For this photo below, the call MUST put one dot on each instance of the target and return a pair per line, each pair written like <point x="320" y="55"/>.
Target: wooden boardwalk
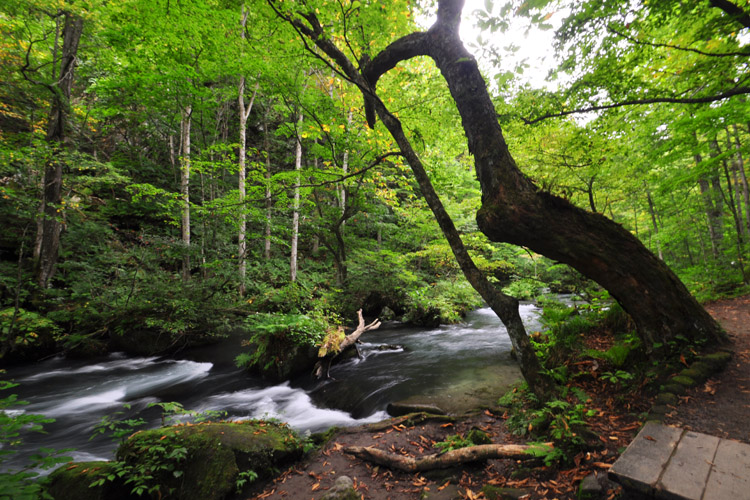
<point x="675" y="464"/>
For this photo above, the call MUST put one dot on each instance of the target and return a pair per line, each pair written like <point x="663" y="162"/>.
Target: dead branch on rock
<point x="443" y="460"/>
<point x="324" y="365"/>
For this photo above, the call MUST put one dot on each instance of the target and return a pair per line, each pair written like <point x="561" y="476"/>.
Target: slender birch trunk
<point x="185" y="189"/>
<point x="269" y="200"/>
<point x="295" y="213"/>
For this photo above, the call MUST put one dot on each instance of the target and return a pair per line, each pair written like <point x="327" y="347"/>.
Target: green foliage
<point x="447" y="301"/>
<point x="556" y="420"/>
<point x="524" y="289"/>
<point x="245" y="477"/>
<point x="119" y="429"/>
<point x="273" y="335"/>
<point x="618" y="377"/>
<point x="21" y="484"/>
<point x="156" y="462"/>
<point x="22" y="328"/>
<point x="454" y="442"/>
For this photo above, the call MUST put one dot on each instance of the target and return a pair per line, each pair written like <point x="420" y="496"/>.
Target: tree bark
<point x="48" y="236"/>
<point x="445" y="460"/>
<point x="269" y="199"/>
<point x="514" y="210"/>
<point x="652" y="212"/>
<point x="295" y="208"/>
<point x="185" y="123"/>
<point x="244" y="114"/>
<point x="743" y="177"/>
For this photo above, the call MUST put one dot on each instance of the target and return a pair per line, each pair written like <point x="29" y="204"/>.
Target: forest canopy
<point x="176" y="168"/>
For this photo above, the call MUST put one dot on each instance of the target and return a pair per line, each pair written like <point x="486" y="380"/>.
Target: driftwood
<point x="323" y="366"/>
<point x="442" y="460"/>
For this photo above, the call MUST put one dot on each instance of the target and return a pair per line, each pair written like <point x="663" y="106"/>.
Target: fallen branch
<point x="444" y="460"/>
<point x="324" y="365"/>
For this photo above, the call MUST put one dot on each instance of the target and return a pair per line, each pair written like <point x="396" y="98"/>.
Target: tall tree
<point x="245" y="110"/>
<point x="513" y="209"/>
<point x="296" y="198"/>
<point x="48" y="231"/>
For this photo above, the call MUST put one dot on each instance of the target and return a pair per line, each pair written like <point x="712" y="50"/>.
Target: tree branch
<point x="673" y="100"/>
<point x="444" y="460"/>
<point x="676" y="47"/>
<point x="733" y="10"/>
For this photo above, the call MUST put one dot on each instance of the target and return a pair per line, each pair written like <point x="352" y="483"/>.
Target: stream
<point x="455" y="367"/>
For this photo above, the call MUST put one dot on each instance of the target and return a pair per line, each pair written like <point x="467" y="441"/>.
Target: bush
<point x="21" y="484"/>
<point x="282" y="342"/>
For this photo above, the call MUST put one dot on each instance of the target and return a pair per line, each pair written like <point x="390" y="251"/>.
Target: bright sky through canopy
<point x="534" y="46"/>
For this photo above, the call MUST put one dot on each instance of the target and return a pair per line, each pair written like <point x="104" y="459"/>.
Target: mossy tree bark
<point x="48" y="237"/>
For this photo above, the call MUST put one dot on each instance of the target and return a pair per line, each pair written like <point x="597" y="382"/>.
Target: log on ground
<point x="443" y="460"/>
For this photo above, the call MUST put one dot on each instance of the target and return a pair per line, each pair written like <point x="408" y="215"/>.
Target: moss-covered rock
<point x="666" y="398"/>
<point x="478" y="436"/>
<point x="73" y="482"/>
<point x="675" y="389"/>
<point x="718" y="360"/>
<point x="191" y="462"/>
<point x="695" y="374"/>
<point x="343" y="489"/>
<point x="683" y="380"/>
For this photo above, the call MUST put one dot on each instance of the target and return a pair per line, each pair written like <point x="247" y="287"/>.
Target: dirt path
<point x="721" y="407"/>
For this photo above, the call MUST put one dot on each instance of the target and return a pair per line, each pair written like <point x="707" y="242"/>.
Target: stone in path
<point x="676" y="464"/>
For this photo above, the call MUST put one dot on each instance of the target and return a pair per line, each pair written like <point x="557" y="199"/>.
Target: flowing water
<point x="454" y="366"/>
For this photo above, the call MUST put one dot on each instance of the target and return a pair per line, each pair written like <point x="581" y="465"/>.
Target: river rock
<point x="73" y="482"/>
<point x="195" y="462"/>
<point x="343" y="489"/>
<point x="400" y="408"/>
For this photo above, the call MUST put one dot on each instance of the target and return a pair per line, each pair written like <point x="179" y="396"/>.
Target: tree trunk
<point x="47" y="242"/>
<point x="514" y="210"/>
<point x="185" y="189"/>
<point x="268" y="198"/>
<point x="737" y="217"/>
<point x="713" y="206"/>
<point x="244" y="114"/>
<point x="295" y="213"/>
<point x="652" y="212"/>
<point x="743" y="177"/>
<point x="736" y="181"/>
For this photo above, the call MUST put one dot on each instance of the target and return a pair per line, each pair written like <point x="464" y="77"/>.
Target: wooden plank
<point x="686" y="473"/>
<point x="642" y="463"/>
<point x="730" y="474"/>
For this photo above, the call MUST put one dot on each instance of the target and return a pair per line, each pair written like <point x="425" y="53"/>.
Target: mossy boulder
<point x="478" y="436"/>
<point x="683" y="380"/>
<point x="194" y="462"/>
<point x="666" y="398"/>
<point x="696" y="374"/>
<point x="718" y="360"/>
<point x="675" y="389"/>
<point x="73" y="482"/>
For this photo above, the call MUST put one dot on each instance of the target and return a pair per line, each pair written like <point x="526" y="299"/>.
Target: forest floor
<point x="719" y="407"/>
